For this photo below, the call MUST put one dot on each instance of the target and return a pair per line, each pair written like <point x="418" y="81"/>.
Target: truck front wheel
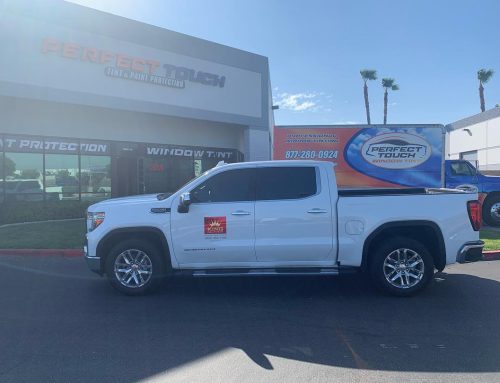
<point x="491" y="210"/>
<point x="401" y="266"/>
<point x="134" y="267"/>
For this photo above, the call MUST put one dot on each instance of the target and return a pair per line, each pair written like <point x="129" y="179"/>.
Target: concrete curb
<point x="43" y="252"/>
<point x="491" y="255"/>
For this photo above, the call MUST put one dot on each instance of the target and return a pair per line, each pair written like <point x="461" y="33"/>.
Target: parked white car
<point x="282" y="218"/>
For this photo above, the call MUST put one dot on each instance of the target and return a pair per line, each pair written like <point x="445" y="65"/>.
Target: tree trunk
<point x="481" y="96"/>
<point x="385" y="106"/>
<point x="367" y="104"/>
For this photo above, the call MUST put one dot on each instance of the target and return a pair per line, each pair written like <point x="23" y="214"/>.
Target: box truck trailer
<point x="369" y="156"/>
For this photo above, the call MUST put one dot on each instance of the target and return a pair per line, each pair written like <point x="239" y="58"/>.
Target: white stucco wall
<point x="484" y="137"/>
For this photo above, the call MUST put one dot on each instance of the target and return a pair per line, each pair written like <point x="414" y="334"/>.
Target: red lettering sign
<point x="50" y="45"/>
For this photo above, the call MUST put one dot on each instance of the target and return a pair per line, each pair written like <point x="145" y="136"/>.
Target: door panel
<point x="459" y="174"/>
<point x="218" y="229"/>
<point x="212" y="233"/>
<point x="295" y="229"/>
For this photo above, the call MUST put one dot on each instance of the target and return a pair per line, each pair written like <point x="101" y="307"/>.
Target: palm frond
<point x="387" y="82"/>
<point x="395" y="87"/>
<point x="484" y="75"/>
<point x="368" y="74"/>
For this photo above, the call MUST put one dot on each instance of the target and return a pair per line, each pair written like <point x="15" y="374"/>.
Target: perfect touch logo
<point x="134" y="68"/>
<point x="396" y="150"/>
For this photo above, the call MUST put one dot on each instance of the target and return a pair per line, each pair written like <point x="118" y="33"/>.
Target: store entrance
<point x="127" y="176"/>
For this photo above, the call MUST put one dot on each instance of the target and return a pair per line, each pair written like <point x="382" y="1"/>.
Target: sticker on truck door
<point x="215" y="227"/>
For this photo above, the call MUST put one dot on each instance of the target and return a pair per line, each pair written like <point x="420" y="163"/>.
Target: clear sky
<point x="433" y="48"/>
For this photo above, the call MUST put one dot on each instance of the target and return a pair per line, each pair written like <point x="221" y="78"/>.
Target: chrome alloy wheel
<point x="495" y="211"/>
<point x="133" y="268"/>
<point x="403" y="268"/>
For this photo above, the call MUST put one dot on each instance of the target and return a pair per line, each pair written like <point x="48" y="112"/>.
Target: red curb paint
<point x="491" y="255"/>
<point x="43" y="252"/>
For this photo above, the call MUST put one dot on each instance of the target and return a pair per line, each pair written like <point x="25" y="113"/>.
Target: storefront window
<point x="198" y="168"/>
<point x="167" y="174"/>
<point x="35" y="168"/>
<point x="158" y="175"/>
<point x="23" y="177"/>
<point x="95" y="177"/>
<point x="208" y="163"/>
<point x="9" y="168"/>
<point x="184" y="172"/>
<point x="61" y="177"/>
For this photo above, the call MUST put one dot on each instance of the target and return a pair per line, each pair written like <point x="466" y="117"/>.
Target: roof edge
<point x="475" y="119"/>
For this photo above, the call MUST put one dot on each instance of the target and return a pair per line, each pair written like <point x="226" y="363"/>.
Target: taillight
<point x="474" y="210"/>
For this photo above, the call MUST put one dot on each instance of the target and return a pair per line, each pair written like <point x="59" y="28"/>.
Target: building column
<point x="257" y="144"/>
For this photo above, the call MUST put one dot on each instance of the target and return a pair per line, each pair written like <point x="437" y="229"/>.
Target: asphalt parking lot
<point x="60" y="323"/>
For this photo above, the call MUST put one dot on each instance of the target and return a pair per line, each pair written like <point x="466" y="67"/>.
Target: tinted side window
<point x="285" y="183"/>
<point x="460" y="169"/>
<point x="229" y="186"/>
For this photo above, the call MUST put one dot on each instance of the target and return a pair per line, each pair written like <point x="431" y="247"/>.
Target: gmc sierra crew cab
<point x="282" y="218"/>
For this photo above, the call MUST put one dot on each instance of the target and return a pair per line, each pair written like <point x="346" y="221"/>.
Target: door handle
<point x="317" y="211"/>
<point x="240" y="212"/>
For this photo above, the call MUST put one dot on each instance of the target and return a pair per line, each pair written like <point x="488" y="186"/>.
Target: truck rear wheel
<point x="491" y="211"/>
<point x="134" y="267"/>
<point x="401" y="266"/>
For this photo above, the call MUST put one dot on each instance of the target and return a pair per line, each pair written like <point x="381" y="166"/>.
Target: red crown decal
<point x="215" y="225"/>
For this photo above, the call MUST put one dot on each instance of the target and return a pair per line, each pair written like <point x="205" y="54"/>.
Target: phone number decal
<point x="309" y="154"/>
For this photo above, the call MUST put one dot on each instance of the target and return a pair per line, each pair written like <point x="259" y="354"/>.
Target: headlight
<point x="94" y="220"/>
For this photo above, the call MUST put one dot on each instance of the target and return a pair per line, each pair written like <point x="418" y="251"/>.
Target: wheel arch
<point x="426" y="232"/>
<point x="149" y="233"/>
<point x="492" y="194"/>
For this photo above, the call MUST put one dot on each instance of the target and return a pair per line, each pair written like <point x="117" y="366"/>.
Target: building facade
<point x="95" y="105"/>
<point x="476" y="139"/>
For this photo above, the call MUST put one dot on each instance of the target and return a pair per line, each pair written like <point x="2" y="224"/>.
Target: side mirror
<point x="184" y="202"/>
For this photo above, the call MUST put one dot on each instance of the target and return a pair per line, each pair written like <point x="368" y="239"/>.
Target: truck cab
<point x="461" y="174"/>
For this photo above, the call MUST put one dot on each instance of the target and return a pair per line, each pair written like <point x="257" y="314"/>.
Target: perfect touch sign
<point x="396" y="150"/>
<point x="128" y="67"/>
<point x="55" y="57"/>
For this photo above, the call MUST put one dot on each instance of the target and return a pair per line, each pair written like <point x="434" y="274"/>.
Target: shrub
<point x="17" y="212"/>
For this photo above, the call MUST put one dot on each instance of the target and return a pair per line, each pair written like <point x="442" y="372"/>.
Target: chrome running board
<point x="271" y="272"/>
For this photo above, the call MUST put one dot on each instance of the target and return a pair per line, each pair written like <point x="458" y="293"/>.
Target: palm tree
<point x="388" y="83"/>
<point x="367" y="75"/>
<point x="483" y="75"/>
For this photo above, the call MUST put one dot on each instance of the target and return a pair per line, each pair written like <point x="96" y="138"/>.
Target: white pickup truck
<point x="282" y="218"/>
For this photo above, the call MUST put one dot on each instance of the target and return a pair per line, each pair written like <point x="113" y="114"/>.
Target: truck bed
<point x="395" y="191"/>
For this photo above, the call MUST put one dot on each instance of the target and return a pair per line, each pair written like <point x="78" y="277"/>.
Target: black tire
<point x="134" y="247"/>
<point x="390" y="247"/>
<point x="489" y="217"/>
